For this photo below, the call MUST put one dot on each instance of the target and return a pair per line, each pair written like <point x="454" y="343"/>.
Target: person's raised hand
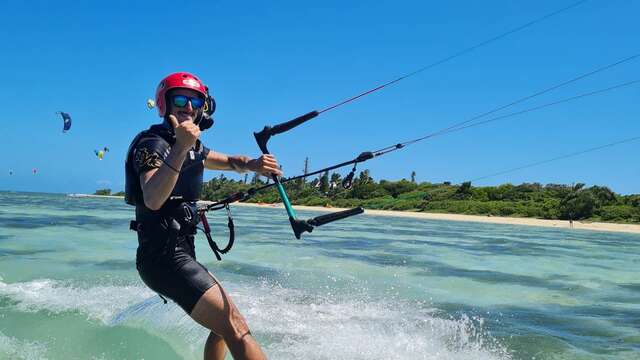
<point x="186" y="132"/>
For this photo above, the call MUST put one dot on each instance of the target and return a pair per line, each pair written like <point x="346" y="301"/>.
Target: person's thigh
<point x="180" y="278"/>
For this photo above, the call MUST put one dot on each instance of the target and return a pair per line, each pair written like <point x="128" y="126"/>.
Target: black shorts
<point x="177" y="276"/>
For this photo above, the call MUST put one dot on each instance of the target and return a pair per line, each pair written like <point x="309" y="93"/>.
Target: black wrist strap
<point x="171" y="167"/>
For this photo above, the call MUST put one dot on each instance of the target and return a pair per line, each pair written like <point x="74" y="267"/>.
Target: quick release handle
<point x="327" y="218"/>
<point x="262" y="138"/>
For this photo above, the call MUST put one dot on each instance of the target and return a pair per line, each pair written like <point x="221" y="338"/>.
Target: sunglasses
<point x="182" y="100"/>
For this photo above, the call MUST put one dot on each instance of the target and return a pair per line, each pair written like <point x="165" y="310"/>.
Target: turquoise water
<point x="365" y="288"/>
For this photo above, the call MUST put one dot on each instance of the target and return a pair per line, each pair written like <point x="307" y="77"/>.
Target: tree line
<point x="550" y="201"/>
<point x="534" y="200"/>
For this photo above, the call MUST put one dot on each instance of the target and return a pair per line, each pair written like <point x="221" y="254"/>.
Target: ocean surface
<point x="364" y="288"/>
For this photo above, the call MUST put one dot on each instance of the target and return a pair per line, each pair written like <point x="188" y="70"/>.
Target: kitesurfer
<point x="164" y="173"/>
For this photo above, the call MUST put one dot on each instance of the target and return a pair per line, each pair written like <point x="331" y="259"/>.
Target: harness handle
<point x="207" y="232"/>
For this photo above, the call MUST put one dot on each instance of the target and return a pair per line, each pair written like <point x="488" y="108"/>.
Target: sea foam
<point x="97" y="303"/>
<point x="289" y="323"/>
<point x="294" y="324"/>
<point x="12" y="348"/>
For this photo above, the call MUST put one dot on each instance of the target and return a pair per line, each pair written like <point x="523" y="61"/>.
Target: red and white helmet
<point x="178" y="80"/>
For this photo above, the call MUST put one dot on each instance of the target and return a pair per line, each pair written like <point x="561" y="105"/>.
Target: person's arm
<point x="264" y="165"/>
<point x="158" y="182"/>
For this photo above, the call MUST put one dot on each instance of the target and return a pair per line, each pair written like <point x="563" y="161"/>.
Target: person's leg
<point x="214" y="348"/>
<point x="215" y="311"/>
<point x="187" y="282"/>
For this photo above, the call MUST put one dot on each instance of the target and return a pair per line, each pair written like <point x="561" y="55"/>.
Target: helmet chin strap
<point x="198" y="118"/>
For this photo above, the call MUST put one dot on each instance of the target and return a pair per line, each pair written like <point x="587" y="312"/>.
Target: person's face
<point x="188" y="112"/>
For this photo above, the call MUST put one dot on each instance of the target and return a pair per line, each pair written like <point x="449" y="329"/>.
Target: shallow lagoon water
<point x="365" y="288"/>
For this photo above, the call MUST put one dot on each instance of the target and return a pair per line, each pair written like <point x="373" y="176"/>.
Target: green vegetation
<point x="108" y="192"/>
<point x="551" y="201"/>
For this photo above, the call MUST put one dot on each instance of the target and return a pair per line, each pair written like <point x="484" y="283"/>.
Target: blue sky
<point x="267" y="62"/>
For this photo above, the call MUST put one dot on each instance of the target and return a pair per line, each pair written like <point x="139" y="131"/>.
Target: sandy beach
<point x="581" y="225"/>
<point x="95" y="196"/>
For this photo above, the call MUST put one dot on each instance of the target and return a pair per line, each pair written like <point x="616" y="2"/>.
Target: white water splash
<point x="112" y="305"/>
<point x="289" y="323"/>
<point x="312" y="327"/>
<point x="97" y="303"/>
<point x="292" y="324"/>
<point x="12" y="348"/>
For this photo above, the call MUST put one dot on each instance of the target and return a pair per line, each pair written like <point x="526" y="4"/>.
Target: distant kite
<point x="66" y="118"/>
<point x="100" y="153"/>
<point x="150" y="104"/>
<point x="34" y="171"/>
<point x="10" y="172"/>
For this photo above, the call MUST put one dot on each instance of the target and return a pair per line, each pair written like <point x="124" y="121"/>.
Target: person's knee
<point x="213" y="337"/>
